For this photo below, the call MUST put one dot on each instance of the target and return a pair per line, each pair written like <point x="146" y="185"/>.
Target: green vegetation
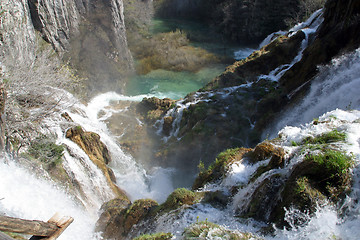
<point x="336" y="162"/>
<point x="329" y="137"/>
<point x="46" y="150"/>
<point x="155" y="236"/>
<point x="170" y="51"/>
<point x="224" y="158"/>
<point x="179" y="197"/>
<point x="218" y="168"/>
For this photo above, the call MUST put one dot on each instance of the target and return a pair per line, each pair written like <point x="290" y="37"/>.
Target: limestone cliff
<point x="91" y="35"/>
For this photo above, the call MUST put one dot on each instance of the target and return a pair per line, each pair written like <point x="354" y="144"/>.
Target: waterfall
<point x="336" y="86"/>
<point x="24" y="195"/>
<point x="326" y="223"/>
<point x="308" y="27"/>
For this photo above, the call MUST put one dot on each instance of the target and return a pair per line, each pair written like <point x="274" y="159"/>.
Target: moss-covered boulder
<point x="137" y="212"/>
<point x="110" y="221"/>
<point x="178" y="198"/>
<point x="320" y="178"/>
<point x="97" y="151"/>
<point x="209" y="230"/>
<point x="217" y="170"/>
<point x="155" y="236"/>
<point x="119" y="216"/>
<point x="153" y="109"/>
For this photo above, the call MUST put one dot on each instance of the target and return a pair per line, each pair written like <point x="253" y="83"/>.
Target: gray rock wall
<point x="17" y="35"/>
<point x="90" y="34"/>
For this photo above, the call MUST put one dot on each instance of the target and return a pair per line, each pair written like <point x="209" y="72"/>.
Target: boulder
<point x="153" y="109"/>
<point x="97" y="151"/>
<point x="119" y="216"/>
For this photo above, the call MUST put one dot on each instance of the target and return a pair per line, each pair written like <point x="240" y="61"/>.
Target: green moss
<point x="329" y="137"/>
<point x="223" y="158"/>
<point x="180" y="197"/>
<point x="218" y="168"/>
<point x="155" y="236"/>
<point x="336" y="162"/>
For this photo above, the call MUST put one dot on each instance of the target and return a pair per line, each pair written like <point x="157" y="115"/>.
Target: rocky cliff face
<point x="17" y="35"/>
<point x="90" y="34"/>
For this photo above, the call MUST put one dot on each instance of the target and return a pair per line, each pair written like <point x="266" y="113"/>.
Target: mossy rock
<point x="153" y="108"/>
<point x="319" y="178"/>
<point x="155" y="236"/>
<point x="137" y="212"/>
<point x="206" y="230"/>
<point x="178" y="198"/>
<point x="217" y="170"/>
<point x="266" y="150"/>
<point x="119" y="216"/>
<point x="111" y="220"/>
<point x="90" y="142"/>
<point x="264" y="199"/>
<point x="97" y="151"/>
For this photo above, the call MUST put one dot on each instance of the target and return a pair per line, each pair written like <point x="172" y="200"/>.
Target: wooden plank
<point x="3" y="236"/>
<point x="31" y="227"/>
<point x="61" y="222"/>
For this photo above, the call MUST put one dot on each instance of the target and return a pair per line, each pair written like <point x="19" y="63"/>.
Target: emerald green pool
<point x="175" y="85"/>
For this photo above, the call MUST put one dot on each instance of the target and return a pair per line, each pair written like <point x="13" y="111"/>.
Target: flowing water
<point x="25" y="195"/>
<point x="335" y="87"/>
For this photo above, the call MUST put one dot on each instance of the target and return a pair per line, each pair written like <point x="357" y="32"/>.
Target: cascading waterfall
<point x="326" y="223"/>
<point x="335" y="87"/>
<point x="308" y="27"/>
<point x="27" y="196"/>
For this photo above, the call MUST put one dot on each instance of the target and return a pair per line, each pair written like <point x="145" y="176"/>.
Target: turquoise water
<point x="176" y="85"/>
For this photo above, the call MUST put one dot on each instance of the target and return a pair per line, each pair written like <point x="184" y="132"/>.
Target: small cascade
<point x="130" y="176"/>
<point x="308" y="27"/>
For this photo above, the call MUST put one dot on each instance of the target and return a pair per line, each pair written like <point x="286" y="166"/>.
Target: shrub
<point x="45" y="150"/>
